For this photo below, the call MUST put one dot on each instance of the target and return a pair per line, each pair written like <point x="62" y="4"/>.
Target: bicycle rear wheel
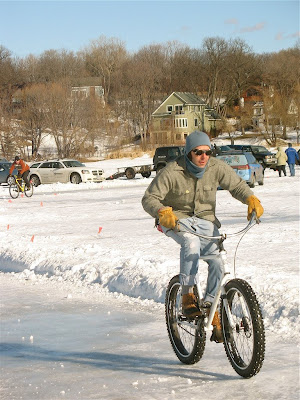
<point x="14" y="190"/>
<point x="29" y="192"/>
<point x="187" y="337"/>
<point x="245" y="342"/>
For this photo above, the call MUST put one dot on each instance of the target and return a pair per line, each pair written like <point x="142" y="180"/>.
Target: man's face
<point x="17" y="162"/>
<point x="200" y="160"/>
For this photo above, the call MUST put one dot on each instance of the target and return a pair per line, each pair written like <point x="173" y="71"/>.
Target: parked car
<point x="65" y="170"/>
<point x="220" y="149"/>
<point x="4" y="171"/>
<point x="261" y="153"/>
<point x="245" y="165"/>
<point x="165" y="154"/>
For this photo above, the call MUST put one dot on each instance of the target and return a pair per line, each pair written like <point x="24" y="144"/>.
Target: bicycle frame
<point x="225" y="277"/>
<point x="20" y="182"/>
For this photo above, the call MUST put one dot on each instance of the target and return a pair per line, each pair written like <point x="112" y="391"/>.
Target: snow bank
<point x="97" y="236"/>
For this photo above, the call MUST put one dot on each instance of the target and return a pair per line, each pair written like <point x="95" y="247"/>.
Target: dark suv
<point x="163" y="155"/>
<point x="262" y="154"/>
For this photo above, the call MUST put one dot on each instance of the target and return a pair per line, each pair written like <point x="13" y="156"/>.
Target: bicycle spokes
<point x="187" y="337"/>
<point x="244" y="339"/>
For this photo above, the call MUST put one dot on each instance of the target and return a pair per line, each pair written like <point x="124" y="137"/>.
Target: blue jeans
<point x="292" y="169"/>
<point x="191" y="249"/>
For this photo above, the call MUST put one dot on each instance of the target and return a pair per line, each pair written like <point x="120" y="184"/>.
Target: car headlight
<point x="85" y="171"/>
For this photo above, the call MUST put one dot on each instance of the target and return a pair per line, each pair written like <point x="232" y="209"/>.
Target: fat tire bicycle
<point x="17" y="186"/>
<point x="240" y="314"/>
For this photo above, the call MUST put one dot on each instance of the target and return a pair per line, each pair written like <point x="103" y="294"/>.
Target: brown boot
<point x="189" y="306"/>
<point x="217" y="334"/>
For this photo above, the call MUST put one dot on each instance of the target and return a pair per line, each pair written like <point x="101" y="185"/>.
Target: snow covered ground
<point x="96" y="238"/>
<point x="59" y="341"/>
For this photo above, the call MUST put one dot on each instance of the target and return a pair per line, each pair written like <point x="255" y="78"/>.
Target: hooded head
<point x="196" y="139"/>
<point x="17" y="158"/>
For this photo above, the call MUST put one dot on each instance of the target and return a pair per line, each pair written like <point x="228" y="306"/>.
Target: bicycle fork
<point x="220" y="293"/>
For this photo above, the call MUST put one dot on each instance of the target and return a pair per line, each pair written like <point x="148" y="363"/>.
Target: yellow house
<point x="178" y="115"/>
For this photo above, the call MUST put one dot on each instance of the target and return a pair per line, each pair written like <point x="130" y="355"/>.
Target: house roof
<point x="186" y="97"/>
<point x="189" y="98"/>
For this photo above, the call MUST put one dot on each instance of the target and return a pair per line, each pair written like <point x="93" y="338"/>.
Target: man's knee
<point x="190" y="242"/>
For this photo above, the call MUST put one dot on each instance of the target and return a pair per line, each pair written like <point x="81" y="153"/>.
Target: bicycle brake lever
<point x="254" y="217"/>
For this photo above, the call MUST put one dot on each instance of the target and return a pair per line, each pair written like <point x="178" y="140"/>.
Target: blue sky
<point x="31" y="27"/>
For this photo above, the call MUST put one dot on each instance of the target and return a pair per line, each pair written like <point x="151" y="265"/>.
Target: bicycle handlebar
<point x="253" y="220"/>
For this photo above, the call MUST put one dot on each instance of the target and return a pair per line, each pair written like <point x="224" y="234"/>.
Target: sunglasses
<point x="200" y="152"/>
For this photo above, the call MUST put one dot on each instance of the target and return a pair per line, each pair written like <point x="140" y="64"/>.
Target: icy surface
<point x="92" y="240"/>
<point x="59" y="341"/>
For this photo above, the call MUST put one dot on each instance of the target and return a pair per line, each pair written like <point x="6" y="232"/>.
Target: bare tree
<point x="215" y="50"/>
<point x="33" y="115"/>
<point x="242" y="70"/>
<point x="9" y="79"/>
<point x="72" y="120"/>
<point x="104" y="58"/>
<point x="282" y="75"/>
<point x="143" y="80"/>
<point x="7" y="134"/>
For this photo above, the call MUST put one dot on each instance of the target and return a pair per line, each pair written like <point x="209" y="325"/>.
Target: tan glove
<point x="254" y="205"/>
<point x="167" y="218"/>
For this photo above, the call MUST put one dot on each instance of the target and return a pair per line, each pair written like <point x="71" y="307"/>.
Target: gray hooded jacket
<point x="176" y="187"/>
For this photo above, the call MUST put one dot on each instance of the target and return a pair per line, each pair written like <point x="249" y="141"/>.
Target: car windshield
<point x="233" y="159"/>
<point x="35" y="165"/>
<point x="259" y="149"/>
<point x="73" y="163"/>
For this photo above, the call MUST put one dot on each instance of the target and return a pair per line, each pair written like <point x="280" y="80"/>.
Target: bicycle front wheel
<point x="29" y="192"/>
<point x="14" y="190"/>
<point x="244" y="342"/>
<point x="187" y="337"/>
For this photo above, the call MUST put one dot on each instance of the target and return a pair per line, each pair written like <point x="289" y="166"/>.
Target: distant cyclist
<point x="23" y="172"/>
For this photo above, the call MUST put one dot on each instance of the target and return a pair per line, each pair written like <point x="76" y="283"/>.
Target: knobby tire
<point x="245" y="342"/>
<point x="187" y="337"/>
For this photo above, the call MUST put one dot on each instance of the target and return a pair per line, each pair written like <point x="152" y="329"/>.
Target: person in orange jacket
<point x="24" y="172"/>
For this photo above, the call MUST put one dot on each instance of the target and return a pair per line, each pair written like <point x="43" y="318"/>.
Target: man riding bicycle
<point x="186" y="190"/>
<point x="23" y="172"/>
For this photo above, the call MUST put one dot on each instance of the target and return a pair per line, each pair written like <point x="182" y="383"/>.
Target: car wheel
<point x="75" y="178"/>
<point x="261" y="182"/>
<point x="130" y="173"/>
<point x="10" y="180"/>
<point x="252" y="181"/>
<point x="146" y="174"/>
<point x="35" y="180"/>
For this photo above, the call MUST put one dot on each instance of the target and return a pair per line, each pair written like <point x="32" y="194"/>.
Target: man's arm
<point x="11" y="168"/>
<point x="152" y="200"/>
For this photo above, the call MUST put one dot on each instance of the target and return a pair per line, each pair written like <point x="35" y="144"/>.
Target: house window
<point x="169" y="109"/>
<point x="181" y="123"/>
<point x="196" y="122"/>
<point x="179" y="109"/>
